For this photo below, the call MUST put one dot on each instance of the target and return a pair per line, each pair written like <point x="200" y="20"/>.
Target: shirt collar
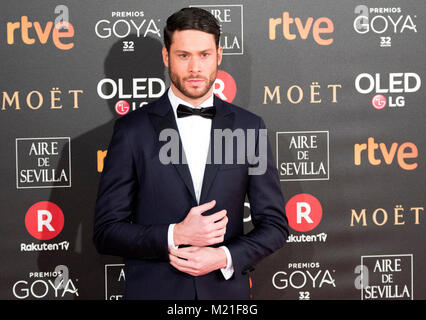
<point x="175" y="101"/>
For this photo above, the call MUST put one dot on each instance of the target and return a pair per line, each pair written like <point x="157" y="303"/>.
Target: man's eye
<point x="183" y="55"/>
<point x="205" y="55"/>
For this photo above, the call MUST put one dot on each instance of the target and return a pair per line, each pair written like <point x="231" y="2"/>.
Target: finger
<point x="174" y="251"/>
<point x="217" y="233"/>
<point x="221" y="223"/>
<point x="205" y="206"/>
<point x="180" y="262"/>
<point x="216" y="240"/>
<point x="182" y="265"/>
<point x="189" y="271"/>
<point x="216" y="216"/>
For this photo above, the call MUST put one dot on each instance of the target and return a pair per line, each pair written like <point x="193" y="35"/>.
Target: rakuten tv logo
<point x="44" y="220"/>
<point x="304" y="212"/>
<point x="225" y="87"/>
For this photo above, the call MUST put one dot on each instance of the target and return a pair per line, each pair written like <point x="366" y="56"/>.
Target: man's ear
<point x="165" y="54"/>
<point x="219" y="55"/>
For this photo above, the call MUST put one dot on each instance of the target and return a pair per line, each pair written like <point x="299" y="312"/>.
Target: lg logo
<point x="44" y="220"/>
<point x="304" y="212"/>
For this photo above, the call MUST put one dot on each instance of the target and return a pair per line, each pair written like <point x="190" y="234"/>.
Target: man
<point x="179" y="225"/>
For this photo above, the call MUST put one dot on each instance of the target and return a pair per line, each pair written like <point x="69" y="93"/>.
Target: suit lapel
<point x="224" y="119"/>
<point x="162" y="117"/>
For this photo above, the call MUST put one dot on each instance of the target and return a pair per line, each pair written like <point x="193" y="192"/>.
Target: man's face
<point x="192" y="62"/>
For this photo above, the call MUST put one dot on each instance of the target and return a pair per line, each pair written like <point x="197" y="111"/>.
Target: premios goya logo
<point x="55" y="284"/>
<point x="28" y="31"/>
<point x="122" y="24"/>
<point x="388" y="23"/>
<point x="304" y="279"/>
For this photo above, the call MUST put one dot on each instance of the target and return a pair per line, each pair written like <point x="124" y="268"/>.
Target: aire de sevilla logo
<point x="44" y="220"/>
<point x="225" y="87"/>
<point x="304" y="212"/>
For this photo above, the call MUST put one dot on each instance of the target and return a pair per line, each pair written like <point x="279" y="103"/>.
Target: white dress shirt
<point x="195" y="135"/>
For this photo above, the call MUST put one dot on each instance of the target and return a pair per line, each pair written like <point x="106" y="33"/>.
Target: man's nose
<point x="194" y="65"/>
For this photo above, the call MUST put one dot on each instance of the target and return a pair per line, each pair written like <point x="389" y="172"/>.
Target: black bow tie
<point x="185" y="111"/>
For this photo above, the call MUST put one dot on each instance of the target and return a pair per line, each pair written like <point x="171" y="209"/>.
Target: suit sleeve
<point x="114" y="233"/>
<point x="267" y="214"/>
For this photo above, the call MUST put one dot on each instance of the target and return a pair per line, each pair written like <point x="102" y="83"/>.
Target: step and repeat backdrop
<point x="339" y="84"/>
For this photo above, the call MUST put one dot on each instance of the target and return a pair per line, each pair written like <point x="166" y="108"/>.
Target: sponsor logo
<point x="404" y="154"/>
<point x="142" y="91"/>
<point x="321" y="28"/>
<point x="305" y="278"/>
<point x="114" y="281"/>
<point x="44" y="220"/>
<point x="303" y="155"/>
<point x="230" y="19"/>
<point x="30" y="32"/>
<point x="225" y="86"/>
<point x="43" y="162"/>
<point x="47" y="285"/>
<point x="389" y="90"/>
<point x="397" y="216"/>
<point x="295" y="94"/>
<point x="387" y="23"/>
<point x="304" y="212"/>
<point x="35" y="99"/>
<point x="121" y="24"/>
<point x="386" y="277"/>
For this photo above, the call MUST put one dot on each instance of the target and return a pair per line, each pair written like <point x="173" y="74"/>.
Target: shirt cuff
<point x="228" y="271"/>
<point x="170" y="240"/>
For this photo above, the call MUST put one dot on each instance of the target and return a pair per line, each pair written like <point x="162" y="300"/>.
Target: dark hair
<point x="191" y="19"/>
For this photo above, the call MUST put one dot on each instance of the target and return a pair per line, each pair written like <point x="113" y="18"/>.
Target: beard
<point x="189" y="91"/>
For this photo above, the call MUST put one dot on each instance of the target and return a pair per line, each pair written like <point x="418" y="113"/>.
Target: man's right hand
<point x="198" y="230"/>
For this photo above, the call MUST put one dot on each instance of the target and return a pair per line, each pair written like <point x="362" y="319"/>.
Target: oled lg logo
<point x="390" y="90"/>
<point x="139" y="92"/>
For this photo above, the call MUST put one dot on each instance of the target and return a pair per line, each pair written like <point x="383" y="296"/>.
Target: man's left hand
<point x="197" y="261"/>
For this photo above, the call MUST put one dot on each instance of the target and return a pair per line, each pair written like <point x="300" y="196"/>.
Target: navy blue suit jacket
<point x="139" y="197"/>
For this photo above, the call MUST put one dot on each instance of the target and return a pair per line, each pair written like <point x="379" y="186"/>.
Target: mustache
<point x="195" y="78"/>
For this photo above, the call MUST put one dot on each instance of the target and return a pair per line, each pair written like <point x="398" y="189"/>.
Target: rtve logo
<point x="44" y="220"/>
<point x="406" y="150"/>
<point x="320" y="26"/>
<point x="31" y="32"/>
<point x="304" y="212"/>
